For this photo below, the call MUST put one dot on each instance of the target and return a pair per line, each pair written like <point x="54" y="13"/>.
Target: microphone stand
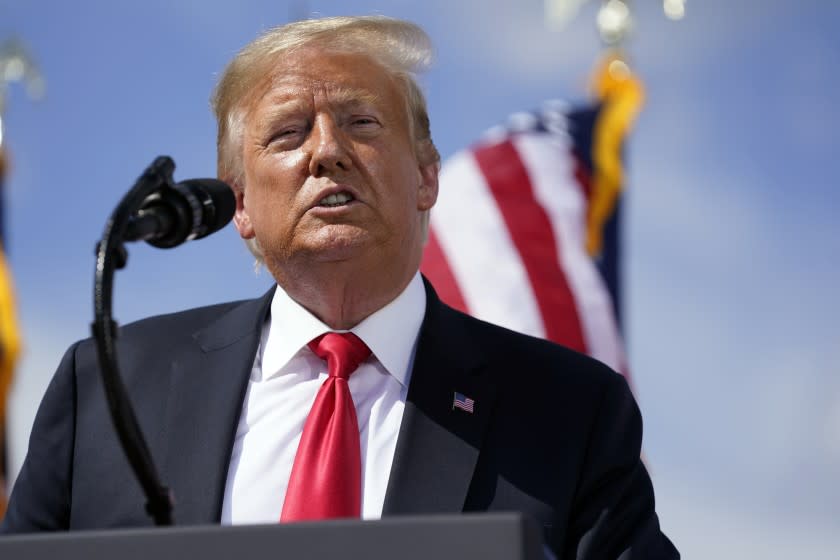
<point x="111" y="255"/>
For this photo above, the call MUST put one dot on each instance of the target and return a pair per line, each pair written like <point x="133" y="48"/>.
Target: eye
<point x="364" y="124"/>
<point x="286" y="132"/>
<point x="287" y="135"/>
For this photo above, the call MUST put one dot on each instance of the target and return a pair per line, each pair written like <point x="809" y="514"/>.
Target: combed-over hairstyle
<point x="401" y="47"/>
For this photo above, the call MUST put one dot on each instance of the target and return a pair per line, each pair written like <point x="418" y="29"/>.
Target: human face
<point x="330" y="172"/>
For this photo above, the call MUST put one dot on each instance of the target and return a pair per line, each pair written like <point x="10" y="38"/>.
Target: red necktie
<point x="326" y="479"/>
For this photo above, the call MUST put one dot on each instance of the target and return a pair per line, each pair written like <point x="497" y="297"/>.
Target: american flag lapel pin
<point x="463" y="402"/>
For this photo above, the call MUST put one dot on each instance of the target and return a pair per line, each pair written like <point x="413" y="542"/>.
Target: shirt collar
<point x="390" y="333"/>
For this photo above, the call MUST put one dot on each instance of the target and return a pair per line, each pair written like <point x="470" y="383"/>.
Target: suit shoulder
<point x="151" y="344"/>
<point x="170" y="329"/>
<point x="193" y="317"/>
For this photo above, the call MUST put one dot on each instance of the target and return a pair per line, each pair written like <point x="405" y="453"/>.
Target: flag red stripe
<point x="436" y="268"/>
<point x="532" y="235"/>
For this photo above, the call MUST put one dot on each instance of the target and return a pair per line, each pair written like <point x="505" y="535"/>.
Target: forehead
<point x="336" y="77"/>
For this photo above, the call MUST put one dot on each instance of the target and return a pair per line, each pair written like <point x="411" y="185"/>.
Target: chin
<point x="338" y="243"/>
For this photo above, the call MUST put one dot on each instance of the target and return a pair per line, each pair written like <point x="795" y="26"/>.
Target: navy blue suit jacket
<point x="554" y="433"/>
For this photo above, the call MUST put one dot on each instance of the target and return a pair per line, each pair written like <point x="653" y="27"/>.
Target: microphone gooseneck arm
<point x="111" y="255"/>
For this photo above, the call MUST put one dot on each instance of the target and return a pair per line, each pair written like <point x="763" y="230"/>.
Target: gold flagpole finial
<point x="16" y="65"/>
<point x="615" y="22"/>
<point x="674" y="9"/>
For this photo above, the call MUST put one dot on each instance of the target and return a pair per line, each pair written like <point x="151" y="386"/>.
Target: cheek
<point x="401" y="181"/>
<point x="273" y="180"/>
<point x="274" y="185"/>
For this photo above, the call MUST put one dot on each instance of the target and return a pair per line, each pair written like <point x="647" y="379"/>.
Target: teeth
<point x="336" y="199"/>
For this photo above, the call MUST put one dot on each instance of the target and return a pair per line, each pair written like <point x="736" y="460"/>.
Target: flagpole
<point x="15" y="66"/>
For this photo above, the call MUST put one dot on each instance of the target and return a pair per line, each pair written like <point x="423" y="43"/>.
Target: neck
<point x="343" y="294"/>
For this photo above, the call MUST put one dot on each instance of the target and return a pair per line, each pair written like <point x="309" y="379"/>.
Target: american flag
<point x="9" y="340"/>
<point x="525" y="233"/>
<point x="463" y="402"/>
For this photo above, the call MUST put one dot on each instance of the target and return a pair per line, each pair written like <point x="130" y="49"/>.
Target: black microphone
<point x="191" y="210"/>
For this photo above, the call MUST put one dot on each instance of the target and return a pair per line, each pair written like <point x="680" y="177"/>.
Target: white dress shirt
<point x="284" y="381"/>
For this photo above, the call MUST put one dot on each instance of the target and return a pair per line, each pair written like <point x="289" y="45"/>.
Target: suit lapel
<point x="438" y="444"/>
<point x="207" y="388"/>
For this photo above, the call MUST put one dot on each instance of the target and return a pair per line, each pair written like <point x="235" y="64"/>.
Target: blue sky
<point x="732" y="236"/>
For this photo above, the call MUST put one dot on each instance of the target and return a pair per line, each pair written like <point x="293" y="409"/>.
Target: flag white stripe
<point x="483" y="259"/>
<point x="552" y="179"/>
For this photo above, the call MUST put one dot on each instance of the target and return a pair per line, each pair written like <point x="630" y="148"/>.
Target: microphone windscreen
<point x="217" y="203"/>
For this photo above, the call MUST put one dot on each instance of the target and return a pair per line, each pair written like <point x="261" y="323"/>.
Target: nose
<point x="330" y="153"/>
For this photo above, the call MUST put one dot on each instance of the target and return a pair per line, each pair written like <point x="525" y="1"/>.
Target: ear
<point x="241" y="219"/>
<point x="428" y="190"/>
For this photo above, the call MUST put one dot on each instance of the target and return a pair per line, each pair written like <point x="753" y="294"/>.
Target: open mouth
<point x="337" y="199"/>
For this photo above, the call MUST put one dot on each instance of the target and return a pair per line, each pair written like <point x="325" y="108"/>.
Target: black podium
<point x="485" y="536"/>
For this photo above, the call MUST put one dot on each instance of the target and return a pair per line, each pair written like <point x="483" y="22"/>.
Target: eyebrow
<point x="286" y="103"/>
<point x="280" y="109"/>
<point x="354" y="96"/>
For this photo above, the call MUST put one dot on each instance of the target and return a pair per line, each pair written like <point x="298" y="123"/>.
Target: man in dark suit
<point x="324" y="136"/>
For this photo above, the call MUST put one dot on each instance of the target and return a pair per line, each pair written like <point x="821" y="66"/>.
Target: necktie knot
<point x="343" y="352"/>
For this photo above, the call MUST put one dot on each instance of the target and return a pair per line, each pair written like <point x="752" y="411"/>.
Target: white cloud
<point x="704" y="524"/>
<point x="726" y="326"/>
